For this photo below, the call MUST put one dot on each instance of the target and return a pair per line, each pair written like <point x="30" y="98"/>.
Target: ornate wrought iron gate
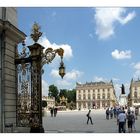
<point x="29" y="72"/>
<point x="29" y="98"/>
<point x="24" y="94"/>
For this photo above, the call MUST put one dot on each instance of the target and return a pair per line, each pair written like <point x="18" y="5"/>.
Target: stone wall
<point x="10" y="81"/>
<point x="9" y="14"/>
<point x="10" y="36"/>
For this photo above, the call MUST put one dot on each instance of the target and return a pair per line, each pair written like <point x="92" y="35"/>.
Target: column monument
<point x="122" y="97"/>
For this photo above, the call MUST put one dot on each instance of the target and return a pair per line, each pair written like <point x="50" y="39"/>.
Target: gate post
<point x="36" y="91"/>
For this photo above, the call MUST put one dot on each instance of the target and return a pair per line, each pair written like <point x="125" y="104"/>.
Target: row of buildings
<point x="102" y="95"/>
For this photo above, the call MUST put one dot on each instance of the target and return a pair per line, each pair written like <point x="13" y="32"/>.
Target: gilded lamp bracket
<point x="49" y="54"/>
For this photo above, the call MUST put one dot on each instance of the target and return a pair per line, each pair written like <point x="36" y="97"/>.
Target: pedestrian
<point x="107" y="114"/>
<point x="136" y="112"/>
<point x="111" y="113"/>
<point x="133" y="122"/>
<point x="55" y="112"/>
<point x="115" y="112"/>
<point x="121" y="122"/>
<point x="89" y="117"/>
<point x="130" y="118"/>
<point x="51" y="111"/>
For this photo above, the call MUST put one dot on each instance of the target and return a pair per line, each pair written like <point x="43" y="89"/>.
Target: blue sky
<point x="100" y="43"/>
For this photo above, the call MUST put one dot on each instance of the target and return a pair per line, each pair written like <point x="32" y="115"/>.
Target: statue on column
<point x="122" y="97"/>
<point x="122" y="89"/>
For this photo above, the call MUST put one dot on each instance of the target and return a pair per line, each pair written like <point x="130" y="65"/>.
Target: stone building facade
<point x="95" y="95"/>
<point x="134" y="95"/>
<point x="50" y="101"/>
<point x="10" y="36"/>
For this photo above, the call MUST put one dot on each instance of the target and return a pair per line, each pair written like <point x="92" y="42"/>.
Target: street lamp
<point x="62" y="69"/>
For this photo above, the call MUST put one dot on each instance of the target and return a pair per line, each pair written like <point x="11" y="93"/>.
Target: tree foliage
<point x="53" y="91"/>
<point x="71" y="95"/>
<point x="63" y="92"/>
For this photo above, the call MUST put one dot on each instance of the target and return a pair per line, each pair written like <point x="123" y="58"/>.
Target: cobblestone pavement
<point x="75" y="122"/>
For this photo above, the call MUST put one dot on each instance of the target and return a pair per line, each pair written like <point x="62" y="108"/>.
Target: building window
<point x="84" y="105"/>
<point x="108" y="95"/>
<point x="79" y="106"/>
<point x="135" y="101"/>
<point x="108" y="89"/>
<point x="98" y="90"/>
<point x="79" y="91"/>
<point x="84" y="96"/>
<point x="93" y="90"/>
<point x="89" y="96"/>
<point x="135" y="94"/>
<point x="98" y="96"/>
<point x="103" y="104"/>
<point x="103" y="97"/>
<point x="83" y="91"/>
<point x="89" y="106"/>
<point x="108" y="104"/>
<point x="79" y="97"/>
<point x="135" y="88"/>
<point x="98" y="104"/>
<point x="88" y="90"/>
<point x="103" y="90"/>
<point x="93" y="96"/>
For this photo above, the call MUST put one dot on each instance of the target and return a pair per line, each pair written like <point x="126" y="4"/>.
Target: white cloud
<point x="107" y="17"/>
<point x="67" y="48"/>
<point x="116" y="54"/>
<point x="71" y="75"/>
<point x="117" y="89"/>
<point x="115" y="79"/>
<point x="45" y="88"/>
<point x="137" y="70"/>
<point x="126" y="19"/>
<point x="137" y="66"/>
<point x="54" y="73"/>
<point x="63" y="83"/>
<point x="98" y="79"/>
<point x="69" y="79"/>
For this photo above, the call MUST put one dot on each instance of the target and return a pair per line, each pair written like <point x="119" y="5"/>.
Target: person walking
<point x="136" y="112"/>
<point x="107" y="114"/>
<point x="114" y="112"/>
<point x="111" y="113"/>
<point x="89" y="117"/>
<point x="133" y="121"/>
<point x="121" y="122"/>
<point x="51" y="111"/>
<point x="55" y="112"/>
<point x="130" y="118"/>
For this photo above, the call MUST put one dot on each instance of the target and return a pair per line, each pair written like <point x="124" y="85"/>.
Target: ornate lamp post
<point x="38" y="59"/>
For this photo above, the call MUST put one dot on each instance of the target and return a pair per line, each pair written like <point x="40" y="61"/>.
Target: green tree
<point x="53" y="92"/>
<point x="71" y="95"/>
<point x="63" y="92"/>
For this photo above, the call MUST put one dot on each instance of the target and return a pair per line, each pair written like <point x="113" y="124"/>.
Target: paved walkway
<point x="75" y="122"/>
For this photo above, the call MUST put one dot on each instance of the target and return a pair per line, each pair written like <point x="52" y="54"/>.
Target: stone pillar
<point x="36" y="93"/>
<point x="10" y="36"/>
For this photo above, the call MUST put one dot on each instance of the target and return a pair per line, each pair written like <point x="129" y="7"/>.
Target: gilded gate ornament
<point x="36" y="34"/>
